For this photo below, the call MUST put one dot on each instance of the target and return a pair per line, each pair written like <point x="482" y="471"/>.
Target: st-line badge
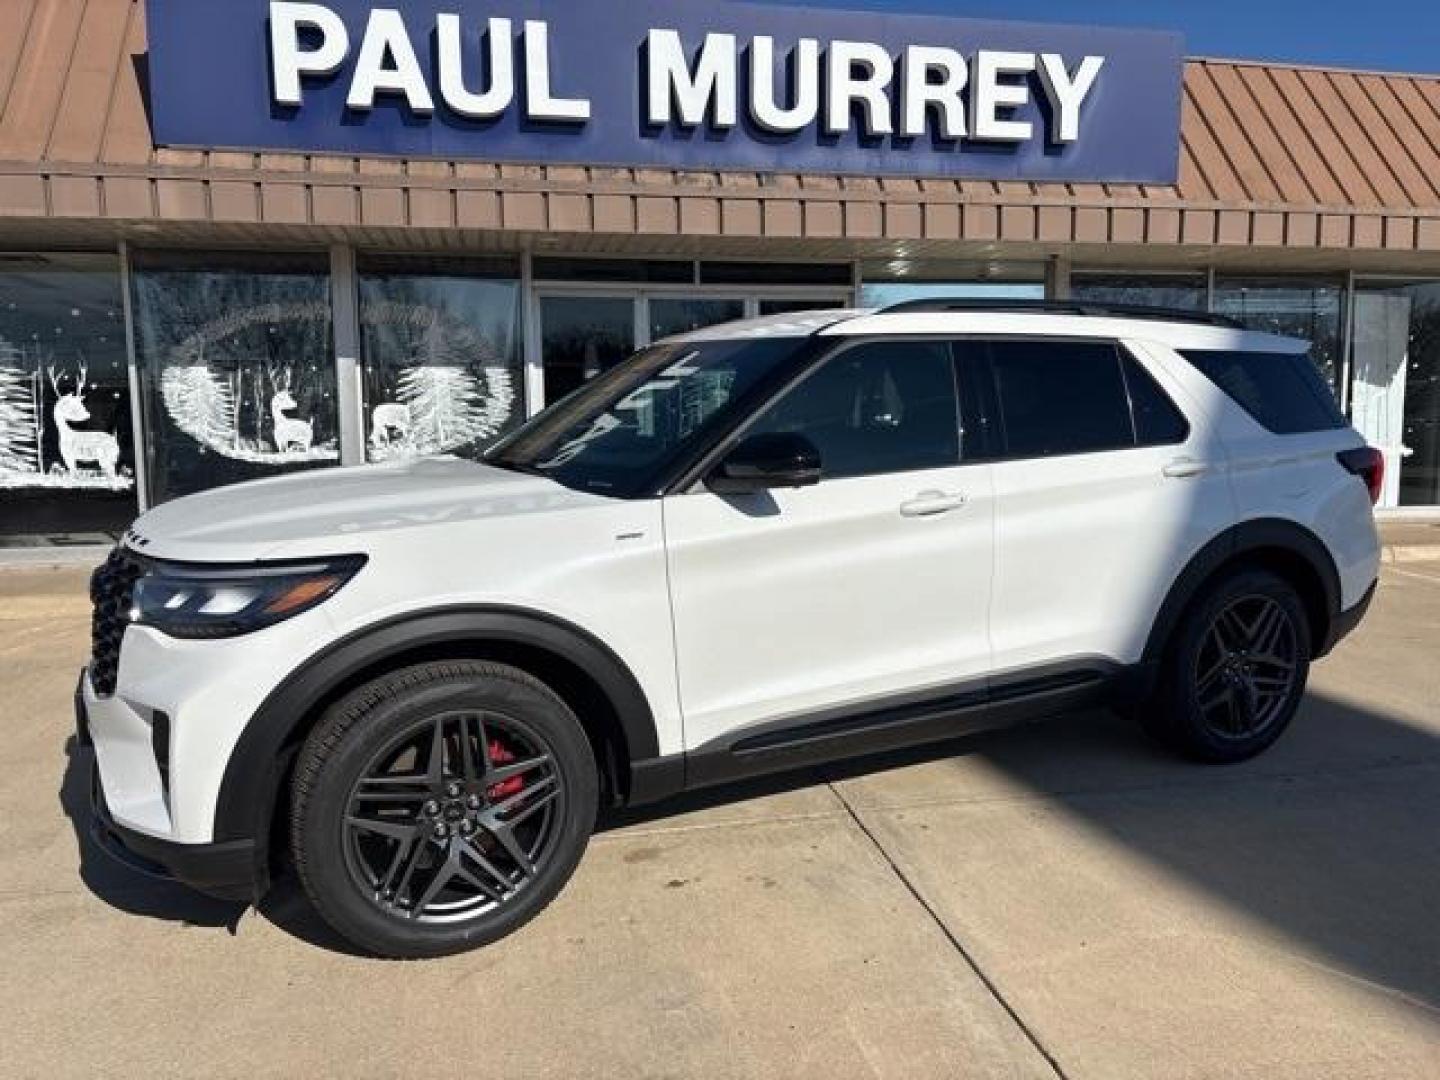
<point x="683" y="85"/>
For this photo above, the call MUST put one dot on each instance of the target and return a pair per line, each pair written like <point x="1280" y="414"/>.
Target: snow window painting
<point x="441" y="356"/>
<point x="64" y="399"/>
<point x="238" y="366"/>
<point x="210" y="404"/>
<point x="34" y="396"/>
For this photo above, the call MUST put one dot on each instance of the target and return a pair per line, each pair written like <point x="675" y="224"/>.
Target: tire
<point x="505" y="807"/>
<point x="1220" y="696"/>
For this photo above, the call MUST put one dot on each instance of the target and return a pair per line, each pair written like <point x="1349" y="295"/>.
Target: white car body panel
<point x="794" y="600"/>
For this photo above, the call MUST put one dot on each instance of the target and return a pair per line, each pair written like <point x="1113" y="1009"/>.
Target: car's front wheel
<point x="440" y="807"/>
<point x="1235" y="671"/>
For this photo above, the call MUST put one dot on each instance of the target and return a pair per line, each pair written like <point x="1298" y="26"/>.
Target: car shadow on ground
<point x="1329" y="838"/>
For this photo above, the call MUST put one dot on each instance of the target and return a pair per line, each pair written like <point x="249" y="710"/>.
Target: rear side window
<point x="1061" y="397"/>
<point x="1157" y="421"/>
<point x="1284" y="392"/>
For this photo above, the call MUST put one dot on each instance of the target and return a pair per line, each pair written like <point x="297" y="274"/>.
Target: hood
<point x="329" y="511"/>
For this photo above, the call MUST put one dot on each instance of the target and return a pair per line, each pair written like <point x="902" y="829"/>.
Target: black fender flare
<point x="254" y="771"/>
<point x="1259" y="534"/>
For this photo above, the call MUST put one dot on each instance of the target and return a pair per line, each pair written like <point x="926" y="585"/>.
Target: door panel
<point x="874" y="581"/>
<point x="790" y="601"/>
<point x="1087" y="543"/>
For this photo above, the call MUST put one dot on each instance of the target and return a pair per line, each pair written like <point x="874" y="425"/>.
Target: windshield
<point x="617" y="433"/>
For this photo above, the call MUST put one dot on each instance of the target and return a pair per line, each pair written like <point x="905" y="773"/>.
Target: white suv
<point x="759" y="546"/>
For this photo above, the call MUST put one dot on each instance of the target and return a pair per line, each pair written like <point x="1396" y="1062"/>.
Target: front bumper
<point x="225" y="870"/>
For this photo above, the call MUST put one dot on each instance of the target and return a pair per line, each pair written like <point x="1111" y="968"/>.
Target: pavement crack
<point x="1031" y="1036"/>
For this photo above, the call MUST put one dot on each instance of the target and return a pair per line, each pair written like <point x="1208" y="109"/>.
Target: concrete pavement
<point x="1062" y="899"/>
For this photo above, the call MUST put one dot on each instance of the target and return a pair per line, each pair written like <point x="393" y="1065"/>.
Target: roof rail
<point x="1093" y="309"/>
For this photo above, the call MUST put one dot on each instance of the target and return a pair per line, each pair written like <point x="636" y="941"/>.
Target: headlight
<point x="201" y="602"/>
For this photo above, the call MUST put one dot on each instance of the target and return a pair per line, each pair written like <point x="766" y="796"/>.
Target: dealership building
<point x="239" y="238"/>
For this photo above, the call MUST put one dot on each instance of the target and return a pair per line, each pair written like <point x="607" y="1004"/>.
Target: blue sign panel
<point x="669" y="83"/>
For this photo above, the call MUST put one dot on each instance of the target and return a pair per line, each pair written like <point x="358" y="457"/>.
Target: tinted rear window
<point x="1283" y="391"/>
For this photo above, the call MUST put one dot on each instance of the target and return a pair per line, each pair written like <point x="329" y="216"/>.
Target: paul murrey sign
<point x="683" y="84"/>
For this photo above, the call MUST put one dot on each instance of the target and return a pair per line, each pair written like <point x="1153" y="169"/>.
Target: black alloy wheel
<point x="1245" y="670"/>
<point x="441" y="807"/>
<point x="454" y="817"/>
<point x="1233" y="674"/>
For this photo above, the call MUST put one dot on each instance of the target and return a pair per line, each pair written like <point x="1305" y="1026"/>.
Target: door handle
<point x="930" y="503"/>
<point x="1183" y="468"/>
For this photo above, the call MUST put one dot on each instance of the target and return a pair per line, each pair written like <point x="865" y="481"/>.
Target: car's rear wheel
<point x="1235" y="671"/>
<point x="440" y="807"/>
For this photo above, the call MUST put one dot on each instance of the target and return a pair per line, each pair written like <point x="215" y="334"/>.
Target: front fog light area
<point x="192" y="601"/>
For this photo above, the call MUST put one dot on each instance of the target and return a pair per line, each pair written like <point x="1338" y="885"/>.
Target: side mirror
<point x="759" y="462"/>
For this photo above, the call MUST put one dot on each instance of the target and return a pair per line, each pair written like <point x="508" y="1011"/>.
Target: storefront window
<point x="1294" y="307"/>
<point x="238" y="369"/>
<point x="682" y="314"/>
<point x="1395" y="385"/>
<point x="581" y="336"/>
<point x="886" y="294"/>
<point x="1181" y="292"/>
<point x="67" y="465"/>
<point x="441" y="345"/>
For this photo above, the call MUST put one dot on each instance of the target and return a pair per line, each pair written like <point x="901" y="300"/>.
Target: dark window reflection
<point x="441" y="344"/>
<point x="1310" y="310"/>
<point x="238" y="369"/>
<point x="581" y="336"/>
<point x="680" y="316"/>
<point x="784" y="307"/>
<point x="67" y="463"/>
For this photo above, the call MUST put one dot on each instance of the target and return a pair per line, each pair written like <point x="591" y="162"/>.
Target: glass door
<point x="1395" y="386"/>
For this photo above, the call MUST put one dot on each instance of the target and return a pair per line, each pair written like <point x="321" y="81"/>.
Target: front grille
<point x="112" y="590"/>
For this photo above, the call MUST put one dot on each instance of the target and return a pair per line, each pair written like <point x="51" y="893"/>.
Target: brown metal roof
<point x="1272" y="156"/>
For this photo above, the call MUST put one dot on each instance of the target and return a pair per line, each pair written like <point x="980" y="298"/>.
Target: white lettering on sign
<point x="934" y="78"/>
<point x="289" y="60"/>
<point x="1067" y="92"/>
<point x="765" y="108"/>
<point x="388" y="65"/>
<point x="540" y="104"/>
<point x="495" y="98"/>
<point x="707" y="93"/>
<point x="917" y="91"/>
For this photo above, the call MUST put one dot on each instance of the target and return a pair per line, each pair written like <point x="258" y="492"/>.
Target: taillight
<point x="1367" y="463"/>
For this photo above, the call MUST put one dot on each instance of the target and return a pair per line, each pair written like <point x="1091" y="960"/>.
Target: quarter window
<point x="1283" y="391"/>
<point x="883" y="407"/>
<point x="1060" y="397"/>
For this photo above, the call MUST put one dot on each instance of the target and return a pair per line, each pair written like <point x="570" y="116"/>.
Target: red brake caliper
<point x="501" y="755"/>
